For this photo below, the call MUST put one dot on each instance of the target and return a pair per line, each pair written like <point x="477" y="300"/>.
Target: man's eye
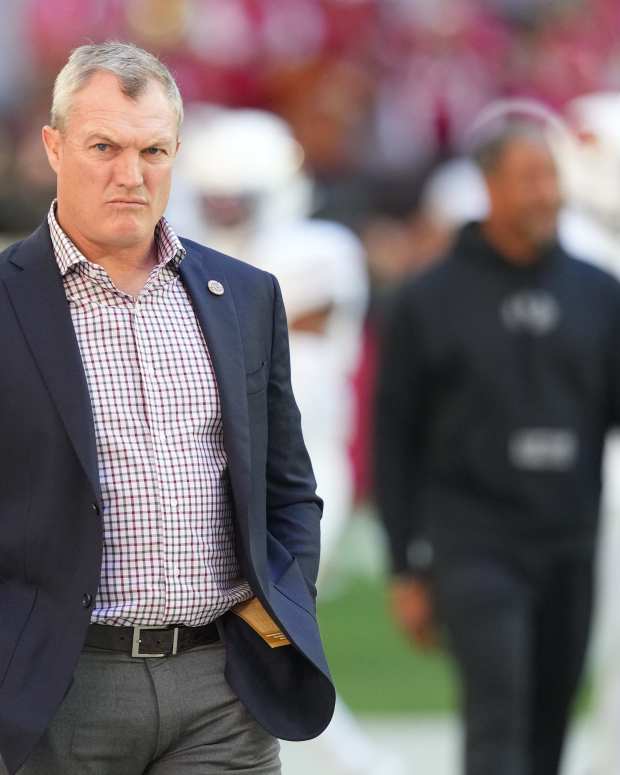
<point x="153" y="151"/>
<point x="102" y="146"/>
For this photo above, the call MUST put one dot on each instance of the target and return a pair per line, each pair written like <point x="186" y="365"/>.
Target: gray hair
<point x="488" y="147"/>
<point x="133" y="66"/>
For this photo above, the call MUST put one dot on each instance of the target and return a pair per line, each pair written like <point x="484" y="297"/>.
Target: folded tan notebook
<point x="253" y="613"/>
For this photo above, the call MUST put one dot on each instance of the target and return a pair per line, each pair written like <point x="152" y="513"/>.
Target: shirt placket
<point x="156" y="399"/>
<point x="165" y="517"/>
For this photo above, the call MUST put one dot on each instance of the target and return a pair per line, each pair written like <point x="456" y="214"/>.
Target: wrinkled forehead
<point x="101" y="106"/>
<point x="527" y="150"/>
<point x="124" y="130"/>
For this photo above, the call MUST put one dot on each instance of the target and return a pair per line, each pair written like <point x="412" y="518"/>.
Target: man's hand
<point x="412" y="608"/>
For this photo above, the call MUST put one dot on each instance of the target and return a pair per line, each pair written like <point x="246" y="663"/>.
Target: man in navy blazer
<point x="67" y="634"/>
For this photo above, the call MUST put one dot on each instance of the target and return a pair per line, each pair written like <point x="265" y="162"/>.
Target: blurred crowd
<point x="375" y="90"/>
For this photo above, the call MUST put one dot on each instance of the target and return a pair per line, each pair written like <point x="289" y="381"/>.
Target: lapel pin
<point x="215" y="287"/>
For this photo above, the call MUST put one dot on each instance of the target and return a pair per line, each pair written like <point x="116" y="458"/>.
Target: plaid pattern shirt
<point x="168" y="547"/>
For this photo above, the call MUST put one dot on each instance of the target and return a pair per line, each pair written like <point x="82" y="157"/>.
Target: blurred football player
<point x="589" y="226"/>
<point x="258" y="208"/>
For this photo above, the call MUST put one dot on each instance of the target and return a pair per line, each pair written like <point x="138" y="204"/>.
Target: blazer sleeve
<point x="613" y="419"/>
<point x="400" y="435"/>
<point x="293" y="508"/>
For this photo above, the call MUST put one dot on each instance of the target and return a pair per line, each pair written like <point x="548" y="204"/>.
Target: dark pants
<point x="518" y="632"/>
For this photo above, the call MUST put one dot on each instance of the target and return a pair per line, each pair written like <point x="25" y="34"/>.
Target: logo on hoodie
<point x="536" y="312"/>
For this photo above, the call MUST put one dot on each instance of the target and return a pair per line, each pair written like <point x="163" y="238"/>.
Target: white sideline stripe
<point x="425" y="744"/>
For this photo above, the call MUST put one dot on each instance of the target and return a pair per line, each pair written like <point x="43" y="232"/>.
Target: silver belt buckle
<point x="135" y="645"/>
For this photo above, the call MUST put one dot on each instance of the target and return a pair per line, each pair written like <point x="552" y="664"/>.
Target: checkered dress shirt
<point x="168" y="542"/>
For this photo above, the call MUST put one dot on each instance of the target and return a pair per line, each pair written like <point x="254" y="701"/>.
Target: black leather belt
<point x="150" y="641"/>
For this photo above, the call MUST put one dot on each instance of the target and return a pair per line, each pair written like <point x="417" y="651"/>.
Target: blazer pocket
<point x="256" y="380"/>
<point x="293" y="585"/>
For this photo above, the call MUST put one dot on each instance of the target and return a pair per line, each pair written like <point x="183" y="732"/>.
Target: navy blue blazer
<point x="50" y="501"/>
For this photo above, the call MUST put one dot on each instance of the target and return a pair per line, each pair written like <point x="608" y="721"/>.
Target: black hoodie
<point x="496" y="387"/>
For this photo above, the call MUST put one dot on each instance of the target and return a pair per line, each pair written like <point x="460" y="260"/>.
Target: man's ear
<point x="51" y="142"/>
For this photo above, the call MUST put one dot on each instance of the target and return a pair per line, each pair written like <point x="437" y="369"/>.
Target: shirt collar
<point x="169" y="247"/>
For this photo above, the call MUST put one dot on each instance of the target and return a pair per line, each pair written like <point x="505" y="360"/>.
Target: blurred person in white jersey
<point x="243" y="188"/>
<point x="230" y="201"/>
<point x="589" y="162"/>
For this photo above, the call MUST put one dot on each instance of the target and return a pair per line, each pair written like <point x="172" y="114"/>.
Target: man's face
<point x="113" y="161"/>
<point x="524" y="191"/>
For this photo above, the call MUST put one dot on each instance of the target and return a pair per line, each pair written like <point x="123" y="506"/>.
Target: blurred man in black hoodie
<point x="499" y="380"/>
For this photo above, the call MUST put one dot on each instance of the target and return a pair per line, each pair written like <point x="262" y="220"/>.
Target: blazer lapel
<point x="37" y="294"/>
<point x="218" y="319"/>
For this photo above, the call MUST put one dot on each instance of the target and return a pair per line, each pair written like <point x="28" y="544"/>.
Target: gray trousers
<point x="158" y="716"/>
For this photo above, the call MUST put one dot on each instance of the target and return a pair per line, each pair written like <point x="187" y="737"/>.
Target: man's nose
<point x="128" y="170"/>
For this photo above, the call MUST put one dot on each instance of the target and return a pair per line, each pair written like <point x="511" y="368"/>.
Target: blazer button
<point x="95" y="508"/>
<point x="87" y="600"/>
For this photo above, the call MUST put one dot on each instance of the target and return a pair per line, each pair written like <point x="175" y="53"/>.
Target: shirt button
<point x="87" y="600"/>
<point x="173" y="502"/>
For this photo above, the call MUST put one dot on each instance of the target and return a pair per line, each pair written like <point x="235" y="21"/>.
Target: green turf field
<point x="375" y="669"/>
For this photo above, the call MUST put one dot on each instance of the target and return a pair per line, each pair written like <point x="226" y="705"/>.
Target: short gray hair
<point x="488" y="148"/>
<point x="133" y="66"/>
